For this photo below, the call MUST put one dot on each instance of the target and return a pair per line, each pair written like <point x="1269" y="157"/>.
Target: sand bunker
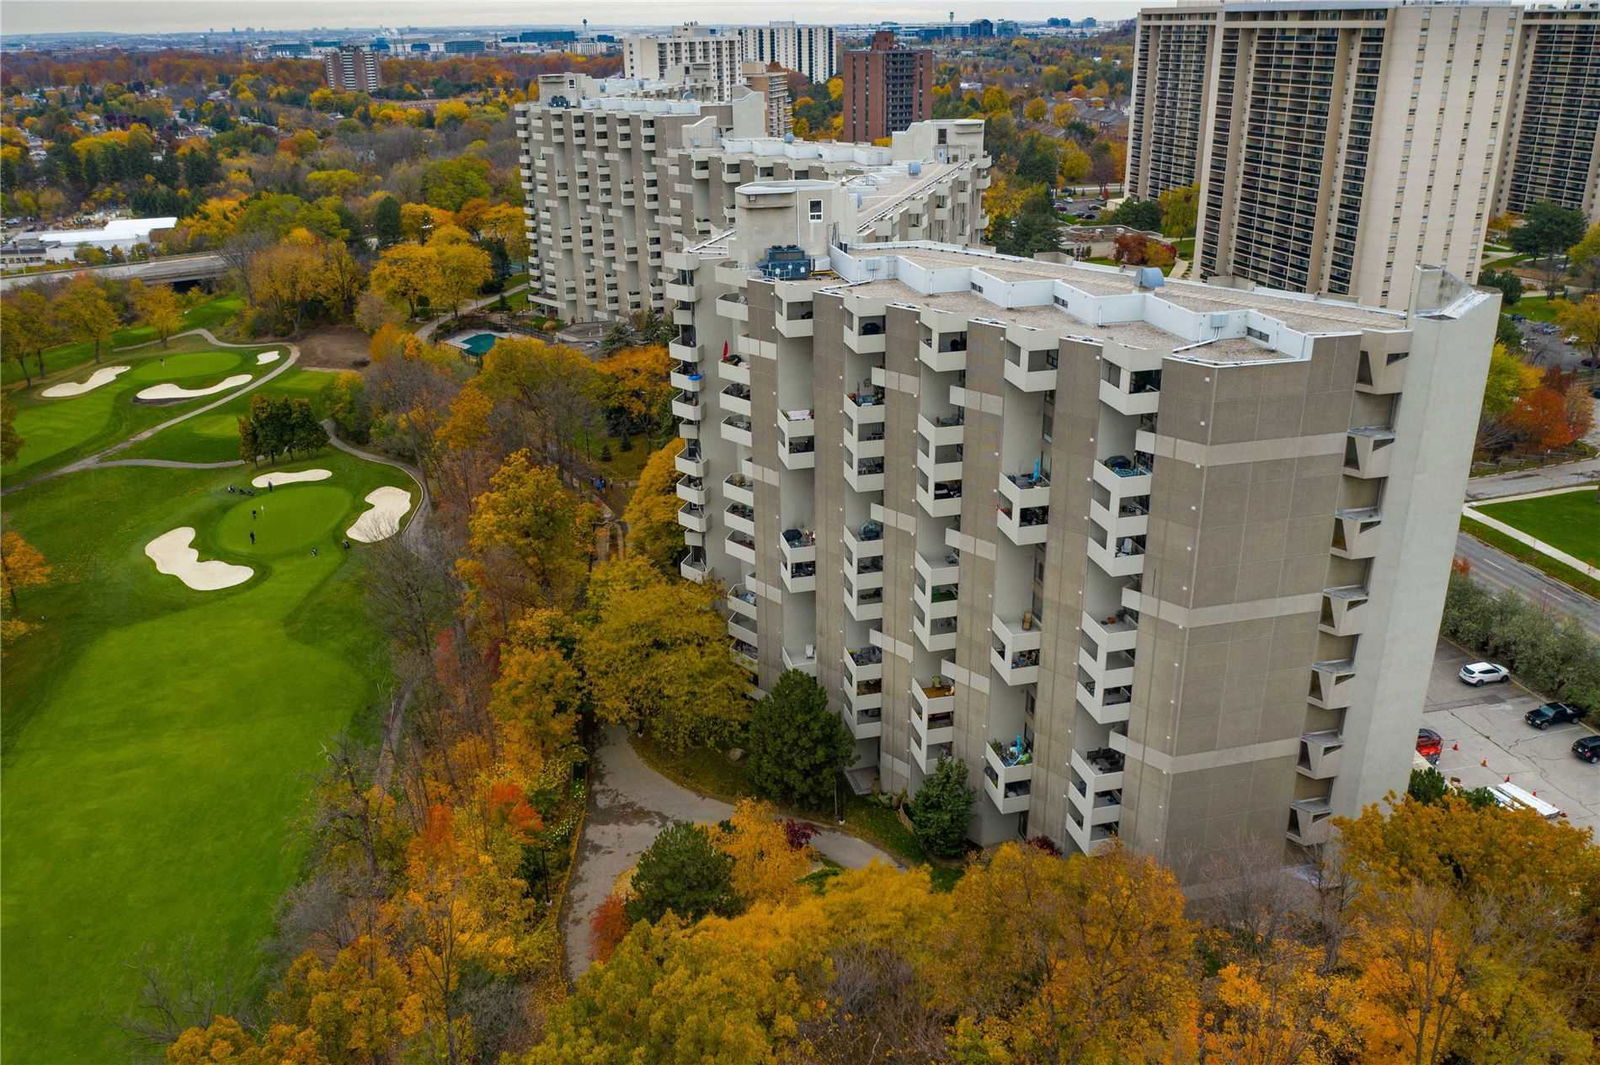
<point x="170" y="391"/>
<point x="103" y="376"/>
<point x="389" y="505"/>
<point x="290" y="478"/>
<point x="173" y="556"/>
<point x="266" y="357"/>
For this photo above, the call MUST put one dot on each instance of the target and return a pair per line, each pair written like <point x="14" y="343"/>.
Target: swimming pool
<point x="478" y="343"/>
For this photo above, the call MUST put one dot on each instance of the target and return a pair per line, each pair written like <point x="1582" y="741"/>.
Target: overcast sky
<point x="166" y="16"/>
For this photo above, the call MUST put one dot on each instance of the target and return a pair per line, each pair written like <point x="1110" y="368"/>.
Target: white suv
<point x="1476" y="673"/>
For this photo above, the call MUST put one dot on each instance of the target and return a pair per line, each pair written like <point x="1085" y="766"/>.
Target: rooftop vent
<point x="1150" y="277"/>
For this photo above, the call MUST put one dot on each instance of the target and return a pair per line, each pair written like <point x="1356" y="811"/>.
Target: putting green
<point x="160" y="742"/>
<point x="183" y="366"/>
<point x="289" y="519"/>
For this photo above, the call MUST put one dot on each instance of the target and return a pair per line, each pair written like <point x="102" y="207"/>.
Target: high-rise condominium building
<point x="886" y="88"/>
<point x="668" y="57"/>
<point x="614" y="180"/>
<point x="1553" y="149"/>
<point x="1336" y="146"/>
<point x="1156" y="561"/>
<point x="351" y="70"/>
<point x="772" y="82"/>
<point x="809" y="50"/>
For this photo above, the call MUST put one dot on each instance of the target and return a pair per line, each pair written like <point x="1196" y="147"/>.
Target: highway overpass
<point x="165" y="270"/>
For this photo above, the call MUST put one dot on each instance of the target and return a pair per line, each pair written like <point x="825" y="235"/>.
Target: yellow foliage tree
<point x="765" y="867"/>
<point x="652" y="514"/>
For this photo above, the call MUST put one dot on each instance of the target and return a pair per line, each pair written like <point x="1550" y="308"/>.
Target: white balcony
<point x="1089" y="838"/>
<point x="1108" y="706"/>
<point x="735" y="399"/>
<point x="1007" y="763"/>
<point x="1124" y="476"/>
<point x="681" y="315"/>
<point x="683" y="352"/>
<point x="739" y="518"/>
<point x="734" y="369"/>
<point x="863" y="542"/>
<point x="732" y="305"/>
<point x="742" y="628"/>
<point x="1130" y="518"/>
<point x="863" y="714"/>
<point x="940" y="499"/>
<point x="1122" y="556"/>
<point x="1015" y="646"/>
<point x="690" y="462"/>
<point x="1381" y="373"/>
<point x="1319" y="754"/>
<point x="737" y="488"/>
<point x="945" y="352"/>
<point x="863" y="665"/>
<point x="742" y="600"/>
<point x="1331" y="683"/>
<point x="865" y="475"/>
<point x="935" y="634"/>
<point x="797" y="444"/>
<point x="1131" y="392"/>
<point x="866" y="576"/>
<point x="1024" y="527"/>
<point x="1344" y="610"/>
<point x="693" y="567"/>
<point x="741" y="546"/>
<point x="935" y="696"/>
<point x="939" y="569"/>
<point x="941" y="464"/>
<point x="1031" y="371"/>
<point x="798" y="545"/>
<point x="1108" y="669"/>
<point x="736" y="430"/>
<point x="927" y="756"/>
<point x="1368" y="451"/>
<point x="1310" y="821"/>
<point x="1095" y="786"/>
<point x="1023" y="490"/>
<point x="933" y="728"/>
<point x="1007" y="790"/>
<point x="863" y="410"/>
<point x="936" y="600"/>
<point x="1356" y="532"/>
<point x="802" y="658"/>
<point x="866" y="335"/>
<point x="745" y="654"/>
<point x="678" y="290"/>
<point x="867" y="605"/>
<point x="686" y="405"/>
<point x="794" y="320"/>
<point x="942" y="430"/>
<point x="801" y="577"/>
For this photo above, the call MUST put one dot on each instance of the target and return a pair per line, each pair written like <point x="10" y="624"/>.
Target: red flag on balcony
<point x="724" y="351"/>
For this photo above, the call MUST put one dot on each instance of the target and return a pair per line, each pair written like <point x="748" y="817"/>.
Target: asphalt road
<point x="1486" y="741"/>
<point x="1496" y="570"/>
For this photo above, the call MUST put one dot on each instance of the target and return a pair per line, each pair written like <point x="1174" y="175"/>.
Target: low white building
<point x="61" y="245"/>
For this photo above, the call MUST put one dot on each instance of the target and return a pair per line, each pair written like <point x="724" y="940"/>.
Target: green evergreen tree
<point x="941" y="809"/>
<point x="685" y="873"/>
<point x="386" y="222"/>
<point x="797" y="745"/>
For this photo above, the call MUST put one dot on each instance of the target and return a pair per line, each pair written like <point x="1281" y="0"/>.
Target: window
<point x="816" y="210"/>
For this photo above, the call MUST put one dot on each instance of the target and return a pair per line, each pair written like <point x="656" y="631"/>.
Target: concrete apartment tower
<point x="1338" y="146"/>
<point x="886" y="88"/>
<point x="618" y="172"/>
<point x="1553" y="149"/>
<point x="809" y="50"/>
<point x="669" y="57"/>
<point x="351" y="70"/>
<point x="1156" y="561"/>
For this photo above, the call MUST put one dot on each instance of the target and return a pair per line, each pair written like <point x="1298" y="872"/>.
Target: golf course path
<point x="99" y="457"/>
<point x="173" y="464"/>
<point x="419" y="513"/>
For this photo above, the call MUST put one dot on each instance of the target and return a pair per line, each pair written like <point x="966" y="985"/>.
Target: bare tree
<point x="174" y="998"/>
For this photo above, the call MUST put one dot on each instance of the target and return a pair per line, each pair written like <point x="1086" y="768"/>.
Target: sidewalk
<point x="1470" y="510"/>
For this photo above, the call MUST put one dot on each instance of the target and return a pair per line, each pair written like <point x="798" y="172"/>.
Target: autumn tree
<point x="766" y="866"/>
<point x="539" y="696"/>
<point x="1548" y="230"/>
<point x="406" y="273"/>
<point x="1178" y="209"/>
<point x="684" y="873"/>
<point x="10" y="440"/>
<point x="1582" y="320"/>
<point x="637" y="390"/>
<point x="27" y="321"/>
<point x="21" y="566"/>
<point x="797" y="746"/>
<point x="528" y="543"/>
<point x="652" y="512"/>
<point x="553" y="388"/>
<point x="657" y="657"/>
<point x="158" y="308"/>
<point x="85" y="313"/>
<point x="460" y="270"/>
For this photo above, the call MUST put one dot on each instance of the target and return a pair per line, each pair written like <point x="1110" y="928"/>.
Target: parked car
<point x="1480" y="673"/>
<point x="1430" y="745"/>
<point x="1552" y="714"/>
<point x="1587" y="748"/>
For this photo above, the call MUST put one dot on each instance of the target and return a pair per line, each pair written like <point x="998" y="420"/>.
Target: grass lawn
<point x="708" y="772"/>
<point x="1536" y="308"/>
<point x="159" y="742"/>
<point x="1523" y="553"/>
<point x="623" y="465"/>
<point x="57" y="431"/>
<point x="214" y="436"/>
<point x="211" y="314"/>
<point x="1569" y="522"/>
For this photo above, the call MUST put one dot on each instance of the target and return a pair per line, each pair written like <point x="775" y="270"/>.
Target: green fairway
<point x="1569" y="522"/>
<point x="214" y="436"/>
<point x="159" y="742"/>
<point x="212" y="314"/>
<point x="57" y="431"/>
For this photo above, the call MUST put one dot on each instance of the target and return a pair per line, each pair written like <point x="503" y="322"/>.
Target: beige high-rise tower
<point x="1338" y="146"/>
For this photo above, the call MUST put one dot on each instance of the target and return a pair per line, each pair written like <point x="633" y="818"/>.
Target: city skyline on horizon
<point x="30" y="17"/>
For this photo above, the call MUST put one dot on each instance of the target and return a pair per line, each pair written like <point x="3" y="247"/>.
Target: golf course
<point x="161" y="736"/>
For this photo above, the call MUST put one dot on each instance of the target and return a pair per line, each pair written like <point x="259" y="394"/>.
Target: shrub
<point x="1550" y="652"/>
<point x="608" y="928"/>
<point x="683" y="872"/>
<point x="941" y="809"/>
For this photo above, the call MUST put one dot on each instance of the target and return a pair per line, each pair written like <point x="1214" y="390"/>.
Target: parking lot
<point x="1486" y="741"/>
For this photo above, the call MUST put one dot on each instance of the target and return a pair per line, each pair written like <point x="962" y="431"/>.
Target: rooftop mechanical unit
<point x="786" y="262"/>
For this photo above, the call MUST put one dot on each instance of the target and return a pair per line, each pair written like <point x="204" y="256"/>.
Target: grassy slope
<point x="1569" y="522"/>
<point x="57" y="431"/>
<point x="159" y="741"/>
<point x="214" y="436"/>
<point x="1535" y="308"/>
<point x="210" y="315"/>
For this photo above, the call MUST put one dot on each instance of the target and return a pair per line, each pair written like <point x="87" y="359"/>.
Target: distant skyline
<point x="194" y="16"/>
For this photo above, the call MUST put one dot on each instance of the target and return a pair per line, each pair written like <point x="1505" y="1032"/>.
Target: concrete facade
<point x="809" y="50"/>
<point x="613" y="182"/>
<point x="670" y="57"/>
<point x="1338" y="146"/>
<point x="1158" y="563"/>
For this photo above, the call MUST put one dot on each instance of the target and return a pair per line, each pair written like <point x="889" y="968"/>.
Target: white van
<point x="1514" y="798"/>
